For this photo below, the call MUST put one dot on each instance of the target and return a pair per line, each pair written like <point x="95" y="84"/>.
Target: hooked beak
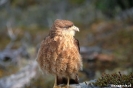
<point x="75" y="28"/>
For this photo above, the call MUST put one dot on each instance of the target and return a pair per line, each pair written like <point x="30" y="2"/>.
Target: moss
<point x="8" y="71"/>
<point x="115" y="79"/>
<point x="42" y="81"/>
<point x="76" y="2"/>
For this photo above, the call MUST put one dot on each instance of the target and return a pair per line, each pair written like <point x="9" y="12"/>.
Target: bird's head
<point x="66" y="26"/>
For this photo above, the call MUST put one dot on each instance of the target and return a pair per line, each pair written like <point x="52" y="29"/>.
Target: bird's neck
<point x="63" y="33"/>
<point x="68" y="33"/>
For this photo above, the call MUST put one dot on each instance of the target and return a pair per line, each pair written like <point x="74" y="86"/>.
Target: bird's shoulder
<point x="49" y="40"/>
<point x="76" y="42"/>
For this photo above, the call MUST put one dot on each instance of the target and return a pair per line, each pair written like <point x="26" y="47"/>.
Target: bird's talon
<point x="67" y="86"/>
<point x="57" y="87"/>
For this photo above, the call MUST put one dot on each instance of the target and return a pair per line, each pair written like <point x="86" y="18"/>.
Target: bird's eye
<point x="68" y="26"/>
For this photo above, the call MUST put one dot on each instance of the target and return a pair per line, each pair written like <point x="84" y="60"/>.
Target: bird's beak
<point x="75" y="28"/>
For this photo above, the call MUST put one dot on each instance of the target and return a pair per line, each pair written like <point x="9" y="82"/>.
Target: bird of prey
<point x="59" y="53"/>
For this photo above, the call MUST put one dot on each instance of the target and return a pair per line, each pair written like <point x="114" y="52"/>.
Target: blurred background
<point x="106" y="38"/>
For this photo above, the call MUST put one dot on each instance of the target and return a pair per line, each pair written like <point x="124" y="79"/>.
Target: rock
<point x="87" y="84"/>
<point x="90" y="53"/>
<point x="21" y="78"/>
<point x="105" y="57"/>
<point x="12" y="56"/>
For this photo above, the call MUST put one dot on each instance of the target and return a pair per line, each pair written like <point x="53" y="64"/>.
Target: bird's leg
<point x="55" y="83"/>
<point x="67" y="86"/>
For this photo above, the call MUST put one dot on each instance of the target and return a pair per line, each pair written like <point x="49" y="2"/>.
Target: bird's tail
<point x="64" y="80"/>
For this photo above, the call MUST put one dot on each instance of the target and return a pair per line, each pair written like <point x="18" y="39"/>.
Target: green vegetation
<point x="41" y="81"/>
<point x="113" y="7"/>
<point x="7" y="71"/>
<point x="115" y="79"/>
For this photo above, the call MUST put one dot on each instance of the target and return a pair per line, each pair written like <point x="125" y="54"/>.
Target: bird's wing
<point x="76" y="42"/>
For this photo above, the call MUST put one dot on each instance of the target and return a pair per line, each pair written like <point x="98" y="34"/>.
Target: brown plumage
<point x="59" y="52"/>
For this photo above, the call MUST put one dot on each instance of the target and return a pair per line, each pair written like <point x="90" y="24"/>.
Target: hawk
<point x="59" y="53"/>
